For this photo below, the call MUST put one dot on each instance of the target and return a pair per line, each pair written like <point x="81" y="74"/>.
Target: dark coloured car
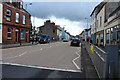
<point x="75" y="42"/>
<point x="44" y="39"/>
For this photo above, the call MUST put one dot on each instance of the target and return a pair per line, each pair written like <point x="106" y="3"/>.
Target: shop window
<point x="118" y="36"/>
<point x="9" y="36"/>
<point x="107" y="35"/>
<point x="24" y="19"/>
<point x="8" y="14"/>
<point x="17" y="17"/>
<point x="101" y="39"/>
<point x="22" y="34"/>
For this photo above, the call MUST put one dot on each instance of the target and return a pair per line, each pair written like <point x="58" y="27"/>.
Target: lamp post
<point x="26" y="7"/>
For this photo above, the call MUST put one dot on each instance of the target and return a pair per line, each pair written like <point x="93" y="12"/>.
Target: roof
<point x="115" y="11"/>
<point x="40" y="26"/>
<point x="99" y="7"/>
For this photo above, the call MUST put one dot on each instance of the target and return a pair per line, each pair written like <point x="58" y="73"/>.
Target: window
<point x="10" y="1"/>
<point x="107" y="36"/>
<point x="100" y="21"/>
<point x="111" y="34"/>
<point x="24" y="19"/>
<point x="9" y="36"/>
<point x="21" y="4"/>
<point x="8" y="15"/>
<point x="118" y="36"/>
<point x="17" y="17"/>
<point x="22" y="34"/>
<point x="101" y="39"/>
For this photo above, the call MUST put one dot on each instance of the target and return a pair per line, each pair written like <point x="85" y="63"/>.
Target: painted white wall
<point x="1" y="15"/>
<point x="102" y="15"/>
<point x="93" y="22"/>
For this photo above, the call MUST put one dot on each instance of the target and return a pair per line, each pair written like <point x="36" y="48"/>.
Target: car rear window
<point x="75" y="40"/>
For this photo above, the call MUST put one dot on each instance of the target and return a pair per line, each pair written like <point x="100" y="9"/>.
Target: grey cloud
<point x="74" y="11"/>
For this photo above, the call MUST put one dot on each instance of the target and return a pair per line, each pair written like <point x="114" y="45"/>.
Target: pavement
<point x="53" y="60"/>
<point x="3" y="46"/>
<point x="88" y="64"/>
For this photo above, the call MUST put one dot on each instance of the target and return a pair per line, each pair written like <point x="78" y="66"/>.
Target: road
<point x="57" y="56"/>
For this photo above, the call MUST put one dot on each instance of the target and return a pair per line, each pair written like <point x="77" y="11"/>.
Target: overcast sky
<point x="70" y="15"/>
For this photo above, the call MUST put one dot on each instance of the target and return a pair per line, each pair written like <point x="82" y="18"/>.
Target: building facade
<point x="49" y="28"/>
<point x="112" y="23"/>
<point x="16" y="24"/>
<point x="105" y="23"/>
<point x="1" y="15"/>
<point x="62" y="34"/>
<point x="100" y="26"/>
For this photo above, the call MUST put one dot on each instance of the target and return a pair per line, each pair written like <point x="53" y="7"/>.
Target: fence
<point x="105" y="62"/>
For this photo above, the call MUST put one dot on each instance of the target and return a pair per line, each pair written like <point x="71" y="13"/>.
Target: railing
<point x="99" y="60"/>
<point x="107" y="62"/>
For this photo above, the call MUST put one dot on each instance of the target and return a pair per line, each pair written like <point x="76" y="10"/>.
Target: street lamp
<point x="26" y="6"/>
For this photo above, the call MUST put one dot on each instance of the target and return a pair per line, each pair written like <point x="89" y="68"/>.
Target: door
<point x="17" y="35"/>
<point x="27" y="35"/>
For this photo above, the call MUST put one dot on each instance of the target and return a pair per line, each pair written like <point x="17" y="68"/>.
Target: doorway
<point x="17" y="35"/>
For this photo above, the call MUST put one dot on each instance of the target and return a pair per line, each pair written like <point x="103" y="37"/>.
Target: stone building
<point x="49" y="28"/>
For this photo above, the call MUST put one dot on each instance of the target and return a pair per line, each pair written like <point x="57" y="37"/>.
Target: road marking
<point x="76" y="59"/>
<point x="100" y="50"/>
<point x="41" y="49"/>
<point x="100" y="56"/>
<point x="15" y="64"/>
<point x="22" y="54"/>
<point x="16" y="56"/>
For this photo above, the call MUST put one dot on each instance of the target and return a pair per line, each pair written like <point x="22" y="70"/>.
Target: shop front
<point x="113" y="35"/>
<point x="100" y="38"/>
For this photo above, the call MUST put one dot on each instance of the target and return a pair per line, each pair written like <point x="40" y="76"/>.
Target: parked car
<point x="65" y="40"/>
<point x="32" y="39"/>
<point x="75" y="42"/>
<point x="44" y="39"/>
<point x="36" y="39"/>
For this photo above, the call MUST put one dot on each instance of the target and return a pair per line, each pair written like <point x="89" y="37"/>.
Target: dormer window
<point x="10" y="1"/>
<point x="21" y="4"/>
<point x="8" y="14"/>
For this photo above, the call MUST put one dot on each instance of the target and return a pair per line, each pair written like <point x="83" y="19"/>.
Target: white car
<point x="65" y="40"/>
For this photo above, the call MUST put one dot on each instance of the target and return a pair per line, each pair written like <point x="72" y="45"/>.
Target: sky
<point x="71" y="15"/>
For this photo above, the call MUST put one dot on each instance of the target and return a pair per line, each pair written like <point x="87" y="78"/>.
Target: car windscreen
<point x="43" y="36"/>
